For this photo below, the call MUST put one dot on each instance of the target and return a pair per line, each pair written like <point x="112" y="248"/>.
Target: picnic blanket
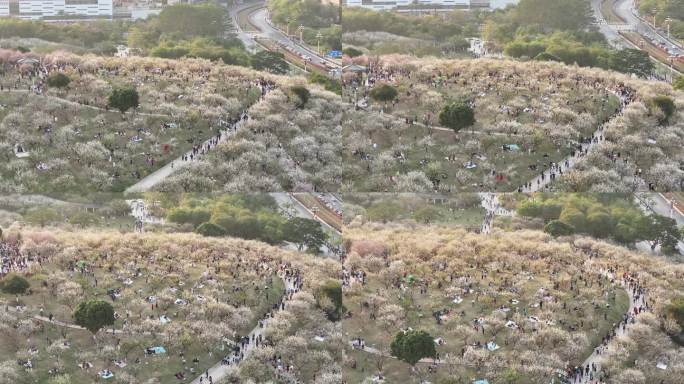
<point x="106" y="374"/>
<point x="155" y="350"/>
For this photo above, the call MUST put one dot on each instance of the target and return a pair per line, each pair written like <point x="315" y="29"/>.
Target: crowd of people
<point x="625" y="95"/>
<point x="13" y="259"/>
<point x="196" y="87"/>
<point x="255" y="339"/>
<point x="559" y="88"/>
<point x="590" y="372"/>
<point x="477" y="286"/>
<point x="245" y="273"/>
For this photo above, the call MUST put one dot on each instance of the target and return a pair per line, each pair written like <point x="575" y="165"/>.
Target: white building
<point x="54" y="9"/>
<point x="380" y="5"/>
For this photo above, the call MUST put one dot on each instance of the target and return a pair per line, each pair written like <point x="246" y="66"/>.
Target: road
<point x="610" y="31"/>
<point x="292" y="207"/>
<point x="658" y="204"/>
<point x="625" y="9"/>
<point x="246" y="37"/>
<point x="260" y="18"/>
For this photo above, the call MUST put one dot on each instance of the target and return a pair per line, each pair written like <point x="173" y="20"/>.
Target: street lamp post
<point x="301" y="34"/>
<point x="668" y="20"/>
<point x="318" y="41"/>
<point x="287" y="26"/>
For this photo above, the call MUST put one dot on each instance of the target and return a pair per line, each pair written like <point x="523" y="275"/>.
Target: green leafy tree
<point x="575" y="217"/>
<point x="302" y="95"/>
<point x="530" y="208"/>
<point x="457" y="116"/>
<point x="193" y="20"/>
<point x="676" y="310"/>
<point x="329" y="298"/>
<point x="309" y="13"/>
<point x="42" y="215"/>
<point x="665" y="105"/>
<point x="557" y="228"/>
<point x="305" y="233"/>
<point x="352" y="52"/>
<point x="678" y="83"/>
<point x="83" y="219"/>
<point x="550" y="210"/>
<point x="384" y="93"/>
<point x="123" y="99"/>
<point x="119" y="207"/>
<point x="273" y="62"/>
<point x="384" y="211"/>
<point x="412" y="346"/>
<point x="142" y="36"/>
<point x="661" y="231"/>
<point x="330" y="84"/>
<point x="189" y="215"/>
<point x="210" y="229"/>
<point x="525" y="49"/>
<point x="426" y="214"/>
<point x="94" y="314"/>
<point x="599" y="223"/>
<point x="14" y="284"/>
<point x="58" y="80"/>
<point x="631" y="61"/>
<point x="551" y="15"/>
<point x="545" y="56"/>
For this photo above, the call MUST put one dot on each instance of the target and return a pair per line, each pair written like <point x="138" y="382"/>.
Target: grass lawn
<point x="507" y="113"/>
<point x="419" y="308"/>
<point x="77" y="146"/>
<point x="74" y="152"/>
<point x="102" y="352"/>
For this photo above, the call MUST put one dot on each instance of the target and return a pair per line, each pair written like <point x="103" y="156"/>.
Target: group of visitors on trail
<point x="27" y="74"/>
<point x="497" y="82"/>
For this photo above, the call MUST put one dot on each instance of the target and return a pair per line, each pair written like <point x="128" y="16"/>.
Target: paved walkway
<point x="220" y="370"/>
<point x="154" y="178"/>
<point x="490" y="202"/>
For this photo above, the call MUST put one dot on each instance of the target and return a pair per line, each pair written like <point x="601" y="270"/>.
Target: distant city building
<point x="56" y="9"/>
<point x="380" y="5"/>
